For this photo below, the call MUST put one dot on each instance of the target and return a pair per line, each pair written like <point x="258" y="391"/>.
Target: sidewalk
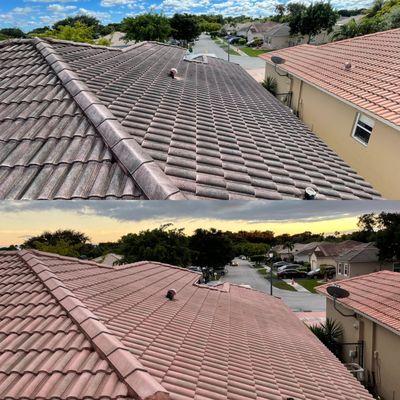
<point x="298" y="287"/>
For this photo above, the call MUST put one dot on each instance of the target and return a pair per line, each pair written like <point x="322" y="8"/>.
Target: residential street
<point x="297" y="301"/>
<point x="255" y="66"/>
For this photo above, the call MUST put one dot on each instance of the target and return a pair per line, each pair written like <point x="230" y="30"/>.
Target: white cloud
<point x="98" y="14"/>
<point x="112" y="3"/>
<point x="58" y="8"/>
<point x="50" y="1"/>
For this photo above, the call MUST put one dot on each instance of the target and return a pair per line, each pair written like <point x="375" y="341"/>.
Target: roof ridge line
<point x="128" y="368"/>
<point x="70" y="42"/>
<point x="147" y="174"/>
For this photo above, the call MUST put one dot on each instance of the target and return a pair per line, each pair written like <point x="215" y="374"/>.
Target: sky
<point x="29" y="14"/>
<point x="109" y="220"/>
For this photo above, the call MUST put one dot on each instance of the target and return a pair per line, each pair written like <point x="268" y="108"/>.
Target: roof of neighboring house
<point x="117" y="39"/>
<point x="365" y="252"/>
<point x="262" y="27"/>
<point x="334" y="249"/>
<point x="108" y="259"/>
<point x="83" y="121"/>
<point x="308" y="249"/>
<point x="376" y="295"/>
<point x="279" y="30"/>
<point x="372" y="83"/>
<point x="99" y="332"/>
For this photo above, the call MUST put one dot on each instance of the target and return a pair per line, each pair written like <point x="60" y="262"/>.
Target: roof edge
<point x="147" y="174"/>
<point x="128" y="368"/>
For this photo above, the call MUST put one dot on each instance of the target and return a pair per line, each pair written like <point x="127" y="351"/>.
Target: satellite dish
<point x="278" y="60"/>
<point x="337" y="292"/>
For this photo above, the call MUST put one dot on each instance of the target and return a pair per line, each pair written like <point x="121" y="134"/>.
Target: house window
<point x="340" y="268"/>
<point x="346" y="269"/>
<point x="363" y="128"/>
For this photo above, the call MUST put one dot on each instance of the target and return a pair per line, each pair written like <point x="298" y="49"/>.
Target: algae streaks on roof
<point x="214" y="343"/>
<point x="372" y="83"/>
<point x="211" y="133"/>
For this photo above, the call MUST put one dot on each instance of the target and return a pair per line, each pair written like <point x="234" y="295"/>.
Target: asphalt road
<point x="297" y="301"/>
<point x="255" y="66"/>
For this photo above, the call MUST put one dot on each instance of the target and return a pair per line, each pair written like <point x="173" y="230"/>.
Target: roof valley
<point x="129" y="154"/>
<point x="141" y="385"/>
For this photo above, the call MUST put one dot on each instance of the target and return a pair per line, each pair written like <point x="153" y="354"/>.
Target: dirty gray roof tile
<point x="213" y="132"/>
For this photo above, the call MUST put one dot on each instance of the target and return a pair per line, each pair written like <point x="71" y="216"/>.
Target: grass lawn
<point x="221" y="43"/>
<point x="278" y="283"/>
<point x="309" y="284"/>
<point x="262" y="271"/>
<point x="252" y="52"/>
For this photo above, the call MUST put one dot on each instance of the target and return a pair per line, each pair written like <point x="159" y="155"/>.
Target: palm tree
<point x="329" y="333"/>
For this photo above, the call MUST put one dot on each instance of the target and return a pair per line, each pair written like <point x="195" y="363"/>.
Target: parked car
<point x="291" y="273"/>
<point x="234" y="264"/>
<point x="290" y="266"/>
<point x="329" y="271"/>
<point x="280" y="264"/>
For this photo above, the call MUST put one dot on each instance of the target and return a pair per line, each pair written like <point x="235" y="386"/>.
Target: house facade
<point x="259" y="30"/>
<point x="371" y="329"/>
<point x="347" y="92"/>
<point x="360" y="260"/>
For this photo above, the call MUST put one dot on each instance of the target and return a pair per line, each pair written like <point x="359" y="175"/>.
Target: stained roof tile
<point x="213" y="113"/>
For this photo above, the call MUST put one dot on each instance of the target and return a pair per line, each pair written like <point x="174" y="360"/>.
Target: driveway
<point x="297" y="301"/>
<point x="255" y="66"/>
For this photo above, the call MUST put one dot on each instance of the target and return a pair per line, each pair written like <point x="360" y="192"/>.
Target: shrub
<point x="271" y="85"/>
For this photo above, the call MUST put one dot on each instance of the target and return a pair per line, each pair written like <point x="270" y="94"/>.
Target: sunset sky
<point x="109" y="220"/>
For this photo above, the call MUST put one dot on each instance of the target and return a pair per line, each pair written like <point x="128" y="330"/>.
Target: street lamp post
<point x="271" y="256"/>
<point x="229" y="46"/>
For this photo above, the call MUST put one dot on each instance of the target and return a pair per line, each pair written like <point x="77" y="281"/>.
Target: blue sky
<point x="28" y="14"/>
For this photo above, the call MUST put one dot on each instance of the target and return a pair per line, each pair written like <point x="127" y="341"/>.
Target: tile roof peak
<point x="129" y="369"/>
<point x="132" y="158"/>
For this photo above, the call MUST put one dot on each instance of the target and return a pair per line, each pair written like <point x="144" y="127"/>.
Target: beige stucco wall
<point x="333" y="121"/>
<point x="381" y="350"/>
<point x="316" y="262"/>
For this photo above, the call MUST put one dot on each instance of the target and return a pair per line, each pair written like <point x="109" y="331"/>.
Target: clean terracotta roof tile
<point x="224" y="342"/>
<point x="90" y="122"/>
<point x="372" y="81"/>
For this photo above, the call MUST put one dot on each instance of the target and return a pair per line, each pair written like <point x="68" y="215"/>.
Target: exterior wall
<point x="276" y="42"/>
<point x="316" y="262"/>
<point x="381" y="351"/>
<point x="333" y="121"/>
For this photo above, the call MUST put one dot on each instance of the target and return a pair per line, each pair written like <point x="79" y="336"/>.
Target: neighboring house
<point x="304" y="254"/>
<point x="90" y="122"/>
<point x="74" y="329"/>
<point x="348" y="93"/>
<point x="326" y="253"/>
<point x="371" y="328"/>
<point x="259" y="30"/>
<point x="109" y="259"/>
<point x="116" y="39"/>
<point x="239" y="29"/>
<point x="278" y="37"/>
<point x="360" y="260"/>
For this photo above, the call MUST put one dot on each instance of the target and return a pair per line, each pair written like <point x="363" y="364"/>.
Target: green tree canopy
<point x="149" y="26"/>
<point x="311" y="20"/>
<point x="12" y="33"/>
<point x="162" y="244"/>
<point x="78" y="32"/>
<point x="211" y="249"/>
<point x="185" y="27"/>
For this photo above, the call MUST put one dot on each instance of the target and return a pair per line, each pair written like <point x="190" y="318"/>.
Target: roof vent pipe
<point x="310" y="193"/>
<point x="173" y="72"/>
<point x="347" y="66"/>
<point x="171" y="294"/>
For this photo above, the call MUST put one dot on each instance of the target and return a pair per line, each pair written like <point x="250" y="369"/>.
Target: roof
<point x="263" y="27"/>
<point x="308" y="249"/>
<point x="334" y="249"/>
<point x="280" y="30"/>
<point x="117" y="39"/>
<point x="372" y="84"/>
<point x="108" y="259"/>
<point x="376" y="296"/>
<point x="215" y="343"/>
<point x="364" y="253"/>
<point x="83" y="121"/>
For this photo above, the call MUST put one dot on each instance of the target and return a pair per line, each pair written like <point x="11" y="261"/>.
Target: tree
<point x="78" y="32"/>
<point x="388" y="236"/>
<point x="250" y="249"/>
<point x="146" y="27"/>
<point x="86" y="20"/>
<point x="162" y="244"/>
<point x="280" y="10"/>
<point x="185" y="27"/>
<point x="64" y="242"/>
<point x="329" y="333"/>
<point x="13" y="33"/>
<point x="311" y="20"/>
<point x="211" y="249"/>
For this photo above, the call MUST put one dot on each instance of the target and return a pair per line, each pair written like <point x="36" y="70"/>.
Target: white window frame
<point x="366" y="120"/>
<point x="346" y="269"/>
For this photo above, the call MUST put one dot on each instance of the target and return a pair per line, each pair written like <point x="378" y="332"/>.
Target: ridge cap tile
<point x="141" y="384"/>
<point x="148" y="175"/>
